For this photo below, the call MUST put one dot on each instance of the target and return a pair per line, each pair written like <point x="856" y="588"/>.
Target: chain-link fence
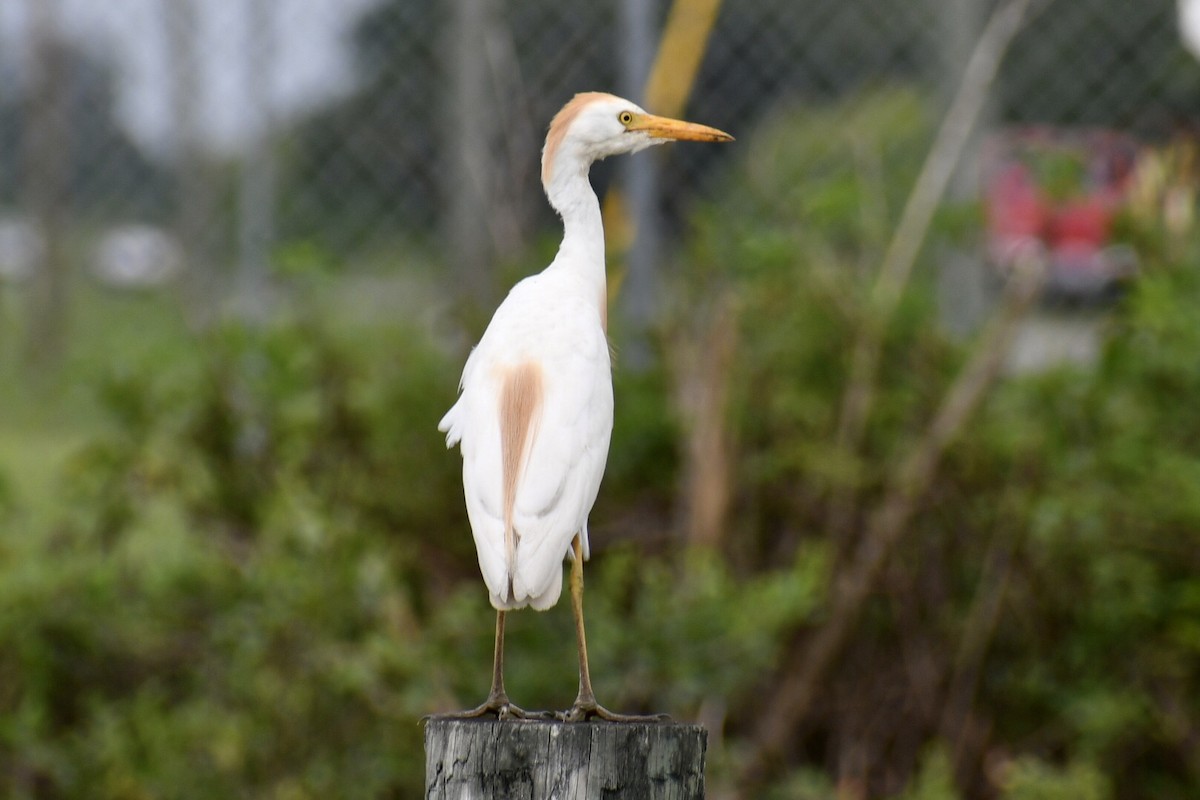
<point x="891" y="554"/>
<point x="220" y="142"/>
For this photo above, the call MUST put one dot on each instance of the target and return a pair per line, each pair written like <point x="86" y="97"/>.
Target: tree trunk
<point x="466" y="759"/>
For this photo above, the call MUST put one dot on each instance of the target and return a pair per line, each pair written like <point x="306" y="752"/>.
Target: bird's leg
<point x="497" y="701"/>
<point x="585" y="697"/>
<point x="585" y="706"/>
<point x="497" y="698"/>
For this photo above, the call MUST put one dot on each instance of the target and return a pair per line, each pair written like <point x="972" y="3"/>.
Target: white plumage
<point x="535" y="412"/>
<point x="550" y="320"/>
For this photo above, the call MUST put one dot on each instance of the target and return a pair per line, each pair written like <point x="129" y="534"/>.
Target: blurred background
<point x="904" y="493"/>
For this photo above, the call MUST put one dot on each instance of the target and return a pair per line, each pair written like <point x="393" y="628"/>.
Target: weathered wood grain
<point x="538" y="760"/>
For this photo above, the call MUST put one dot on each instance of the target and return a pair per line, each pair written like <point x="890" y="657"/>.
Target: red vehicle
<point x="1054" y="194"/>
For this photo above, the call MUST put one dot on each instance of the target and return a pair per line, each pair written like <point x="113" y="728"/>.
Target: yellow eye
<point x="625" y="117"/>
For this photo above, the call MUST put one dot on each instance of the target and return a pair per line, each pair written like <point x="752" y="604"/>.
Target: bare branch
<point x="807" y="667"/>
<point x="978" y="631"/>
<point x="705" y="359"/>
<point x="911" y="232"/>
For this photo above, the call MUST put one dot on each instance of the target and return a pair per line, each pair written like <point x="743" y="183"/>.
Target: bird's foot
<point x="497" y="705"/>
<point x="584" y="710"/>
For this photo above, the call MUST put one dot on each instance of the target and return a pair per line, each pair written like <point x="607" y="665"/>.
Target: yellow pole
<point x="685" y="38"/>
<point x="684" y="41"/>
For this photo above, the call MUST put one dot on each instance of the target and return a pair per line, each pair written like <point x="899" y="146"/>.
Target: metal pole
<point x="470" y="168"/>
<point x="256" y="201"/>
<point x="640" y="175"/>
<point x="48" y="162"/>
<point x="965" y="296"/>
<point x="962" y="22"/>
<point x="195" y="203"/>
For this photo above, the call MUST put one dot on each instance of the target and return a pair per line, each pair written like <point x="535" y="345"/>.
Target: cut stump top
<point x="488" y="759"/>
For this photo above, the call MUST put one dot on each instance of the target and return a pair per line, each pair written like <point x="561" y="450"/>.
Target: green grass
<point x="30" y="461"/>
<point x="48" y="411"/>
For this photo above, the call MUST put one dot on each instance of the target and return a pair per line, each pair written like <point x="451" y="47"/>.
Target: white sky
<point x="311" y="62"/>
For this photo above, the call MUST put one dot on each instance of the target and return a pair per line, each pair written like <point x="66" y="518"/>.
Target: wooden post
<point x="538" y="760"/>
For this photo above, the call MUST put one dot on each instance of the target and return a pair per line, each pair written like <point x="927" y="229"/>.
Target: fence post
<point x="563" y="760"/>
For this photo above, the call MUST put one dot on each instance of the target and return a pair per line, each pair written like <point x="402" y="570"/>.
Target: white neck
<point x="582" y="248"/>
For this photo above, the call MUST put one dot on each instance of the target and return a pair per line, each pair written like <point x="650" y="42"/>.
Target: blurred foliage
<point x="1031" y="779"/>
<point x="1072" y="498"/>
<point x="259" y="575"/>
<point x="800" y="275"/>
<point x="263" y="575"/>
<point x="935" y="780"/>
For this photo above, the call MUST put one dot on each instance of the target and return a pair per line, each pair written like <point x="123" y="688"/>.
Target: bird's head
<point x="595" y="125"/>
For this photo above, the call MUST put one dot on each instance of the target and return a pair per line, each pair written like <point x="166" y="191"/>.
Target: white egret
<point x="535" y="412"/>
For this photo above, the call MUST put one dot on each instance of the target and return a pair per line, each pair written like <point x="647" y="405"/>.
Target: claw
<point x="585" y="706"/>
<point x="497" y="700"/>
<point x="499" y="705"/>
<point x="585" y="710"/>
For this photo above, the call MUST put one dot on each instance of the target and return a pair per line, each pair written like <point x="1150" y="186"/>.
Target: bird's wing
<point x="474" y="424"/>
<point x="451" y="423"/>
<point x="562" y="474"/>
<point x="565" y="451"/>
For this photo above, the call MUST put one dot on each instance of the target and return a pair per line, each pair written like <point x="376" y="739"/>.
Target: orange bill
<point x="666" y="128"/>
